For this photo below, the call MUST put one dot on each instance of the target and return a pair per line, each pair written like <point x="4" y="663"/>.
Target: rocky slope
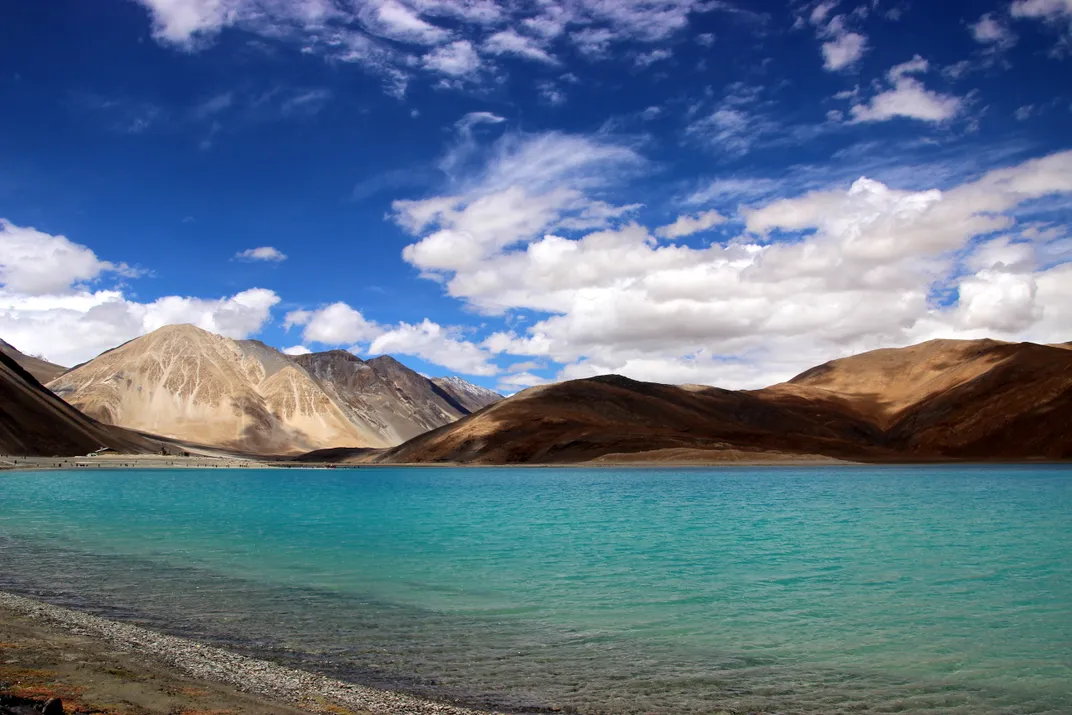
<point x="383" y="392"/>
<point x="472" y="397"/>
<point x="42" y="370"/>
<point x="938" y="400"/>
<point x="34" y="422"/>
<point x="189" y="384"/>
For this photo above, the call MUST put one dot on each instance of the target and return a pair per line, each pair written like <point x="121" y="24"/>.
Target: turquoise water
<point x="811" y="590"/>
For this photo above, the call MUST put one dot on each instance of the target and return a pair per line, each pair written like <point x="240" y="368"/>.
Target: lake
<point x="784" y="590"/>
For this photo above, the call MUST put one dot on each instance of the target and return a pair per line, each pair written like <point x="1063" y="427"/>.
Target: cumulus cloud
<point x="36" y="263"/>
<point x="908" y="98"/>
<point x="262" y="253"/>
<point x="687" y="225"/>
<point x="823" y="274"/>
<point x="297" y="350"/>
<point x="335" y="324"/>
<point x="47" y="306"/>
<point x="75" y="326"/>
<point x="436" y="344"/>
<point x="339" y="324"/>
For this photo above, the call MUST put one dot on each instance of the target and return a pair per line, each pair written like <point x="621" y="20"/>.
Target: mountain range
<point x="189" y="384"/>
<point x="943" y="399"/>
<point x="939" y="400"/>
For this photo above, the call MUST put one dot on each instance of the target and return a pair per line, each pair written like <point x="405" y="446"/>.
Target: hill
<point x="42" y="370"/>
<point x="33" y="421"/>
<point x="938" y="400"/>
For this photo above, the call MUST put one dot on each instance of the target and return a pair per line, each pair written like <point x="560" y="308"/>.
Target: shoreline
<point x="99" y="663"/>
<point x="142" y="461"/>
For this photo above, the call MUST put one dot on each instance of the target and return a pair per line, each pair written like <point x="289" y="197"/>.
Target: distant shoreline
<point x="134" y="462"/>
<point x="111" y="658"/>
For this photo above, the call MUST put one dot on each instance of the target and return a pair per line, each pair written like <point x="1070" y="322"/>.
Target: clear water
<point x="812" y="590"/>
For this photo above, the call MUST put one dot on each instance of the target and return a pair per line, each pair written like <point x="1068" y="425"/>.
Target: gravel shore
<point x="306" y="691"/>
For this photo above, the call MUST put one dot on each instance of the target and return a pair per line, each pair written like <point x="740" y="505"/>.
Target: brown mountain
<point x="190" y="384"/>
<point x="42" y="370"/>
<point x="938" y="400"/>
<point x="33" y="421"/>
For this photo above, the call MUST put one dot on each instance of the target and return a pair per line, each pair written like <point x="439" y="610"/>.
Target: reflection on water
<point x="809" y="590"/>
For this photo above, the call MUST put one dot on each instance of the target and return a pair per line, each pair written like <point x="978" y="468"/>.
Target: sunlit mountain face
<point x="721" y="192"/>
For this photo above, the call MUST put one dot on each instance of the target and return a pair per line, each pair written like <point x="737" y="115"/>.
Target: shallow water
<point x="808" y="590"/>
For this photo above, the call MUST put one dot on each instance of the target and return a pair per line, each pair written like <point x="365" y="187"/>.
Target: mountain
<point x="42" y="370"/>
<point x="472" y="397"/>
<point x="939" y="400"/>
<point x="34" y="422"/>
<point x="383" y="392"/>
<point x="611" y="416"/>
<point x="190" y="384"/>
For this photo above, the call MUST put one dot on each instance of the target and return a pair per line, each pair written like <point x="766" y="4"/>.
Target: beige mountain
<point x="184" y="382"/>
<point x="42" y="370"/>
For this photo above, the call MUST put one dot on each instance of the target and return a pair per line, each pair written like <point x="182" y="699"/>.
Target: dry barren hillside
<point x="938" y="400"/>
<point x="587" y="419"/>
<point x="42" y="370"/>
<point x="33" y="421"/>
<point x="382" y="391"/>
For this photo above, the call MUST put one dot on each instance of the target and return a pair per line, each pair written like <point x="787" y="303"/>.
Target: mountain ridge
<point x="983" y="400"/>
<point x="186" y="383"/>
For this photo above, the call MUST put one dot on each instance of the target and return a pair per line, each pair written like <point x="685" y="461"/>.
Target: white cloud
<point x="458" y="59"/>
<point x="75" y="326"/>
<point x="297" y="350"/>
<point x="824" y="274"/>
<point x="646" y="59"/>
<point x="508" y="384"/>
<point x="551" y="94"/>
<point x="434" y="343"/>
<point x="530" y="184"/>
<point x="396" y="39"/>
<point x="687" y="225"/>
<point x="509" y="42"/>
<point x="1044" y="9"/>
<point x="843" y="46"/>
<point x="908" y="98"/>
<point x="738" y="122"/>
<point x="335" y="324"/>
<point x="47" y="309"/>
<point x="992" y="32"/>
<point x="844" y="51"/>
<point x="36" y="263"/>
<point x="262" y="253"/>
<point x="396" y="21"/>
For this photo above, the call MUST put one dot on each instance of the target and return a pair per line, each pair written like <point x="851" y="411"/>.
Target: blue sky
<point x="708" y="191"/>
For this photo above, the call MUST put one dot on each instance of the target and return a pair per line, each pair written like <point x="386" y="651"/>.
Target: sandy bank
<point x="97" y="665"/>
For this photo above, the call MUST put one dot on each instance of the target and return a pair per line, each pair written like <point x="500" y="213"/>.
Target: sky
<point x="723" y="192"/>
